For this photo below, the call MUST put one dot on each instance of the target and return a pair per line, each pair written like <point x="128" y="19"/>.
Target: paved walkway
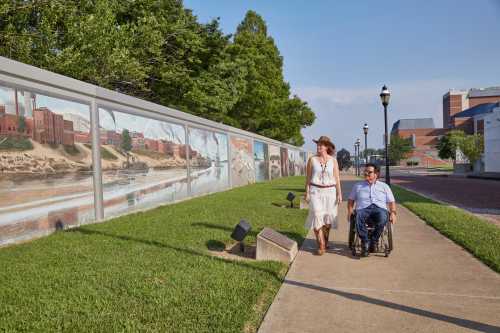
<point x="428" y="284"/>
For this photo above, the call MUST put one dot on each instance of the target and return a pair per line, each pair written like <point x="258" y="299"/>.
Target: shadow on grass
<point x="177" y="249"/>
<point x="293" y="235"/>
<point x="469" y="324"/>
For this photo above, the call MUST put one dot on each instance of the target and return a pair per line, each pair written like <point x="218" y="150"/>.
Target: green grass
<point x="10" y="143"/>
<point x="479" y="237"/>
<point x="71" y="150"/>
<point x="105" y="153"/>
<point x="150" y="271"/>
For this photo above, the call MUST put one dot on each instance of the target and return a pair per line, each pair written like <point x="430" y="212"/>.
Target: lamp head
<point x="365" y="128"/>
<point x="385" y="96"/>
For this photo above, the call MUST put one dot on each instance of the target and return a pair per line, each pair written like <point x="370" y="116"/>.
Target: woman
<point x="323" y="192"/>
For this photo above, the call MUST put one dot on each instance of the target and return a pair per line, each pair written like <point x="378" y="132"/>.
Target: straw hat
<point x="325" y="141"/>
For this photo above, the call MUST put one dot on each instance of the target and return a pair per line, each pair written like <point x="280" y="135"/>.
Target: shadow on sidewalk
<point x="470" y="324"/>
<point x="338" y="248"/>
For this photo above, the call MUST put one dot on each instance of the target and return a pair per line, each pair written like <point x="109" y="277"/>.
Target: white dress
<point x="322" y="200"/>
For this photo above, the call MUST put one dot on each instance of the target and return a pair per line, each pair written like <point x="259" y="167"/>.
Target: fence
<point x="73" y="153"/>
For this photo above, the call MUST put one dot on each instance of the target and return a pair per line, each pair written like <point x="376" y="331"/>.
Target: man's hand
<point x="392" y="217"/>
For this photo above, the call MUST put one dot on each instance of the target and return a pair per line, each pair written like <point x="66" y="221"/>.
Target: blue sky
<point x="338" y="54"/>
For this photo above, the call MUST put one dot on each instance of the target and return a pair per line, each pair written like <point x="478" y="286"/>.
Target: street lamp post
<point x="385" y="95"/>
<point x="365" y="130"/>
<point x="357" y="144"/>
<point x="355" y="159"/>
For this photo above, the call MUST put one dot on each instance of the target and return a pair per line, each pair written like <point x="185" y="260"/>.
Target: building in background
<point x="424" y="137"/>
<point x="456" y="101"/>
<point x="485" y="120"/>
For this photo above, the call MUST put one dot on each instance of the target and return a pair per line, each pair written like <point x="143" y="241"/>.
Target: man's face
<point x="370" y="174"/>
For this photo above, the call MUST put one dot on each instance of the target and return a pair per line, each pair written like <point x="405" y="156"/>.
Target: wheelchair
<point x="385" y="243"/>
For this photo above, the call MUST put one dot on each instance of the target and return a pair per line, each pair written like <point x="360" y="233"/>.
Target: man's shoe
<point x="364" y="250"/>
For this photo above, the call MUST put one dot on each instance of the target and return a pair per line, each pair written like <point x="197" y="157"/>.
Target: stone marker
<point x="303" y="203"/>
<point x="271" y="245"/>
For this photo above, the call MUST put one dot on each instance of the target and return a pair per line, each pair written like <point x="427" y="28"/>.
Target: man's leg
<point x="361" y="217"/>
<point x="379" y="217"/>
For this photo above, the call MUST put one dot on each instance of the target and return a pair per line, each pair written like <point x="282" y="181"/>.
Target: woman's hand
<point x="339" y="198"/>
<point x="306" y="197"/>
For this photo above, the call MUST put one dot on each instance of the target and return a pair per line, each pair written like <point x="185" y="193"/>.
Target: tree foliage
<point x="344" y="159"/>
<point x="472" y="146"/>
<point x="157" y="50"/>
<point x="126" y="144"/>
<point x="449" y="143"/>
<point x="399" y="148"/>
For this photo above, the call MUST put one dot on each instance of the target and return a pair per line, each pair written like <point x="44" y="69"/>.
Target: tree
<point x="126" y="144"/>
<point x="344" y="159"/>
<point x="157" y="50"/>
<point x="399" y="148"/>
<point x="472" y="146"/>
<point x="265" y="105"/>
<point x="21" y="125"/>
<point x="449" y="143"/>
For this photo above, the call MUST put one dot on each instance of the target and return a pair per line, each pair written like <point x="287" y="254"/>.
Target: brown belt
<point x="322" y="186"/>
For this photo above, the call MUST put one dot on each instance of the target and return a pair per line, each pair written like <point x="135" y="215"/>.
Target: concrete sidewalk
<point x="428" y="284"/>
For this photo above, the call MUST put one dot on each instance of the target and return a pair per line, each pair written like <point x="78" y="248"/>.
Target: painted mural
<point x="261" y="158"/>
<point x="284" y="162"/>
<point x="208" y="161"/>
<point x="242" y="161"/>
<point x="45" y="169"/>
<point x="144" y="162"/>
<point x="274" y="162"/>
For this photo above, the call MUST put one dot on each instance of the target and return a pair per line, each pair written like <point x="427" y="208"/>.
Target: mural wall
<point x="208" y="161"/>
<point x="284" y="162"/>
<point x="46" y="163"/>
<point x="274" y="162"/>
<point x="143" y="161"/>
<point x="261" y="158"/>
<point x="242" y="161"/>
<point x="46" y="180"/>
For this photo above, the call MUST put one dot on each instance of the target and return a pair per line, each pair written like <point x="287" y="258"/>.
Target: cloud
<point x="341" y="112"/>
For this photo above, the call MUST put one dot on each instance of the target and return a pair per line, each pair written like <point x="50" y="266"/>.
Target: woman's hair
<point x="331" y="150"/>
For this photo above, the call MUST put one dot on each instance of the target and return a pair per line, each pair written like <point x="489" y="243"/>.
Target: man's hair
<point x="375" y="167"/>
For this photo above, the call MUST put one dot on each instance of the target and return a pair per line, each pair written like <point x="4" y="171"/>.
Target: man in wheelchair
<point x="374" y="201"/>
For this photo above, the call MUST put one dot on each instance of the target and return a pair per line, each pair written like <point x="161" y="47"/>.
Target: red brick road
<point x="479" y="196"/>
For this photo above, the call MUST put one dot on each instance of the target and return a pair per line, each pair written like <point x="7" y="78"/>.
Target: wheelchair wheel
<point x="389" y="236"/>
<point x="352" y="233"/>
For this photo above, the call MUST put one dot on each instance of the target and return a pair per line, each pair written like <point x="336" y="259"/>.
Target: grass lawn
<point x="10" y="143"/>
<point x="150" y="271"/>
<point x="479" y="237"/>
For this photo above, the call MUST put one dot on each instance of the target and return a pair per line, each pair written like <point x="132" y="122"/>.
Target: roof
<point x="406" y="124"/>
<point x="476" y="110"/>
<point x="484" y="92"/>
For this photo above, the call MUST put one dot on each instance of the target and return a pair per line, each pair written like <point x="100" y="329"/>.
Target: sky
<point x="339" y="54"/>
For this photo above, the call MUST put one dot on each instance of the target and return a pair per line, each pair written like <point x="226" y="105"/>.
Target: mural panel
<point x="274" y="162"/>
<point x="143" y="161"/>
<point x="209" y="161"/>
<point x="242" y="162"/>
<point x="45" y="172"/>
<point x="284" y="162"/>
<point x="261" y="158"/>
<point x="303" y="162"/>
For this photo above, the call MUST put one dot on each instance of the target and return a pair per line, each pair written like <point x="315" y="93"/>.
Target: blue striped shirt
<point x="365" y="194"/>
